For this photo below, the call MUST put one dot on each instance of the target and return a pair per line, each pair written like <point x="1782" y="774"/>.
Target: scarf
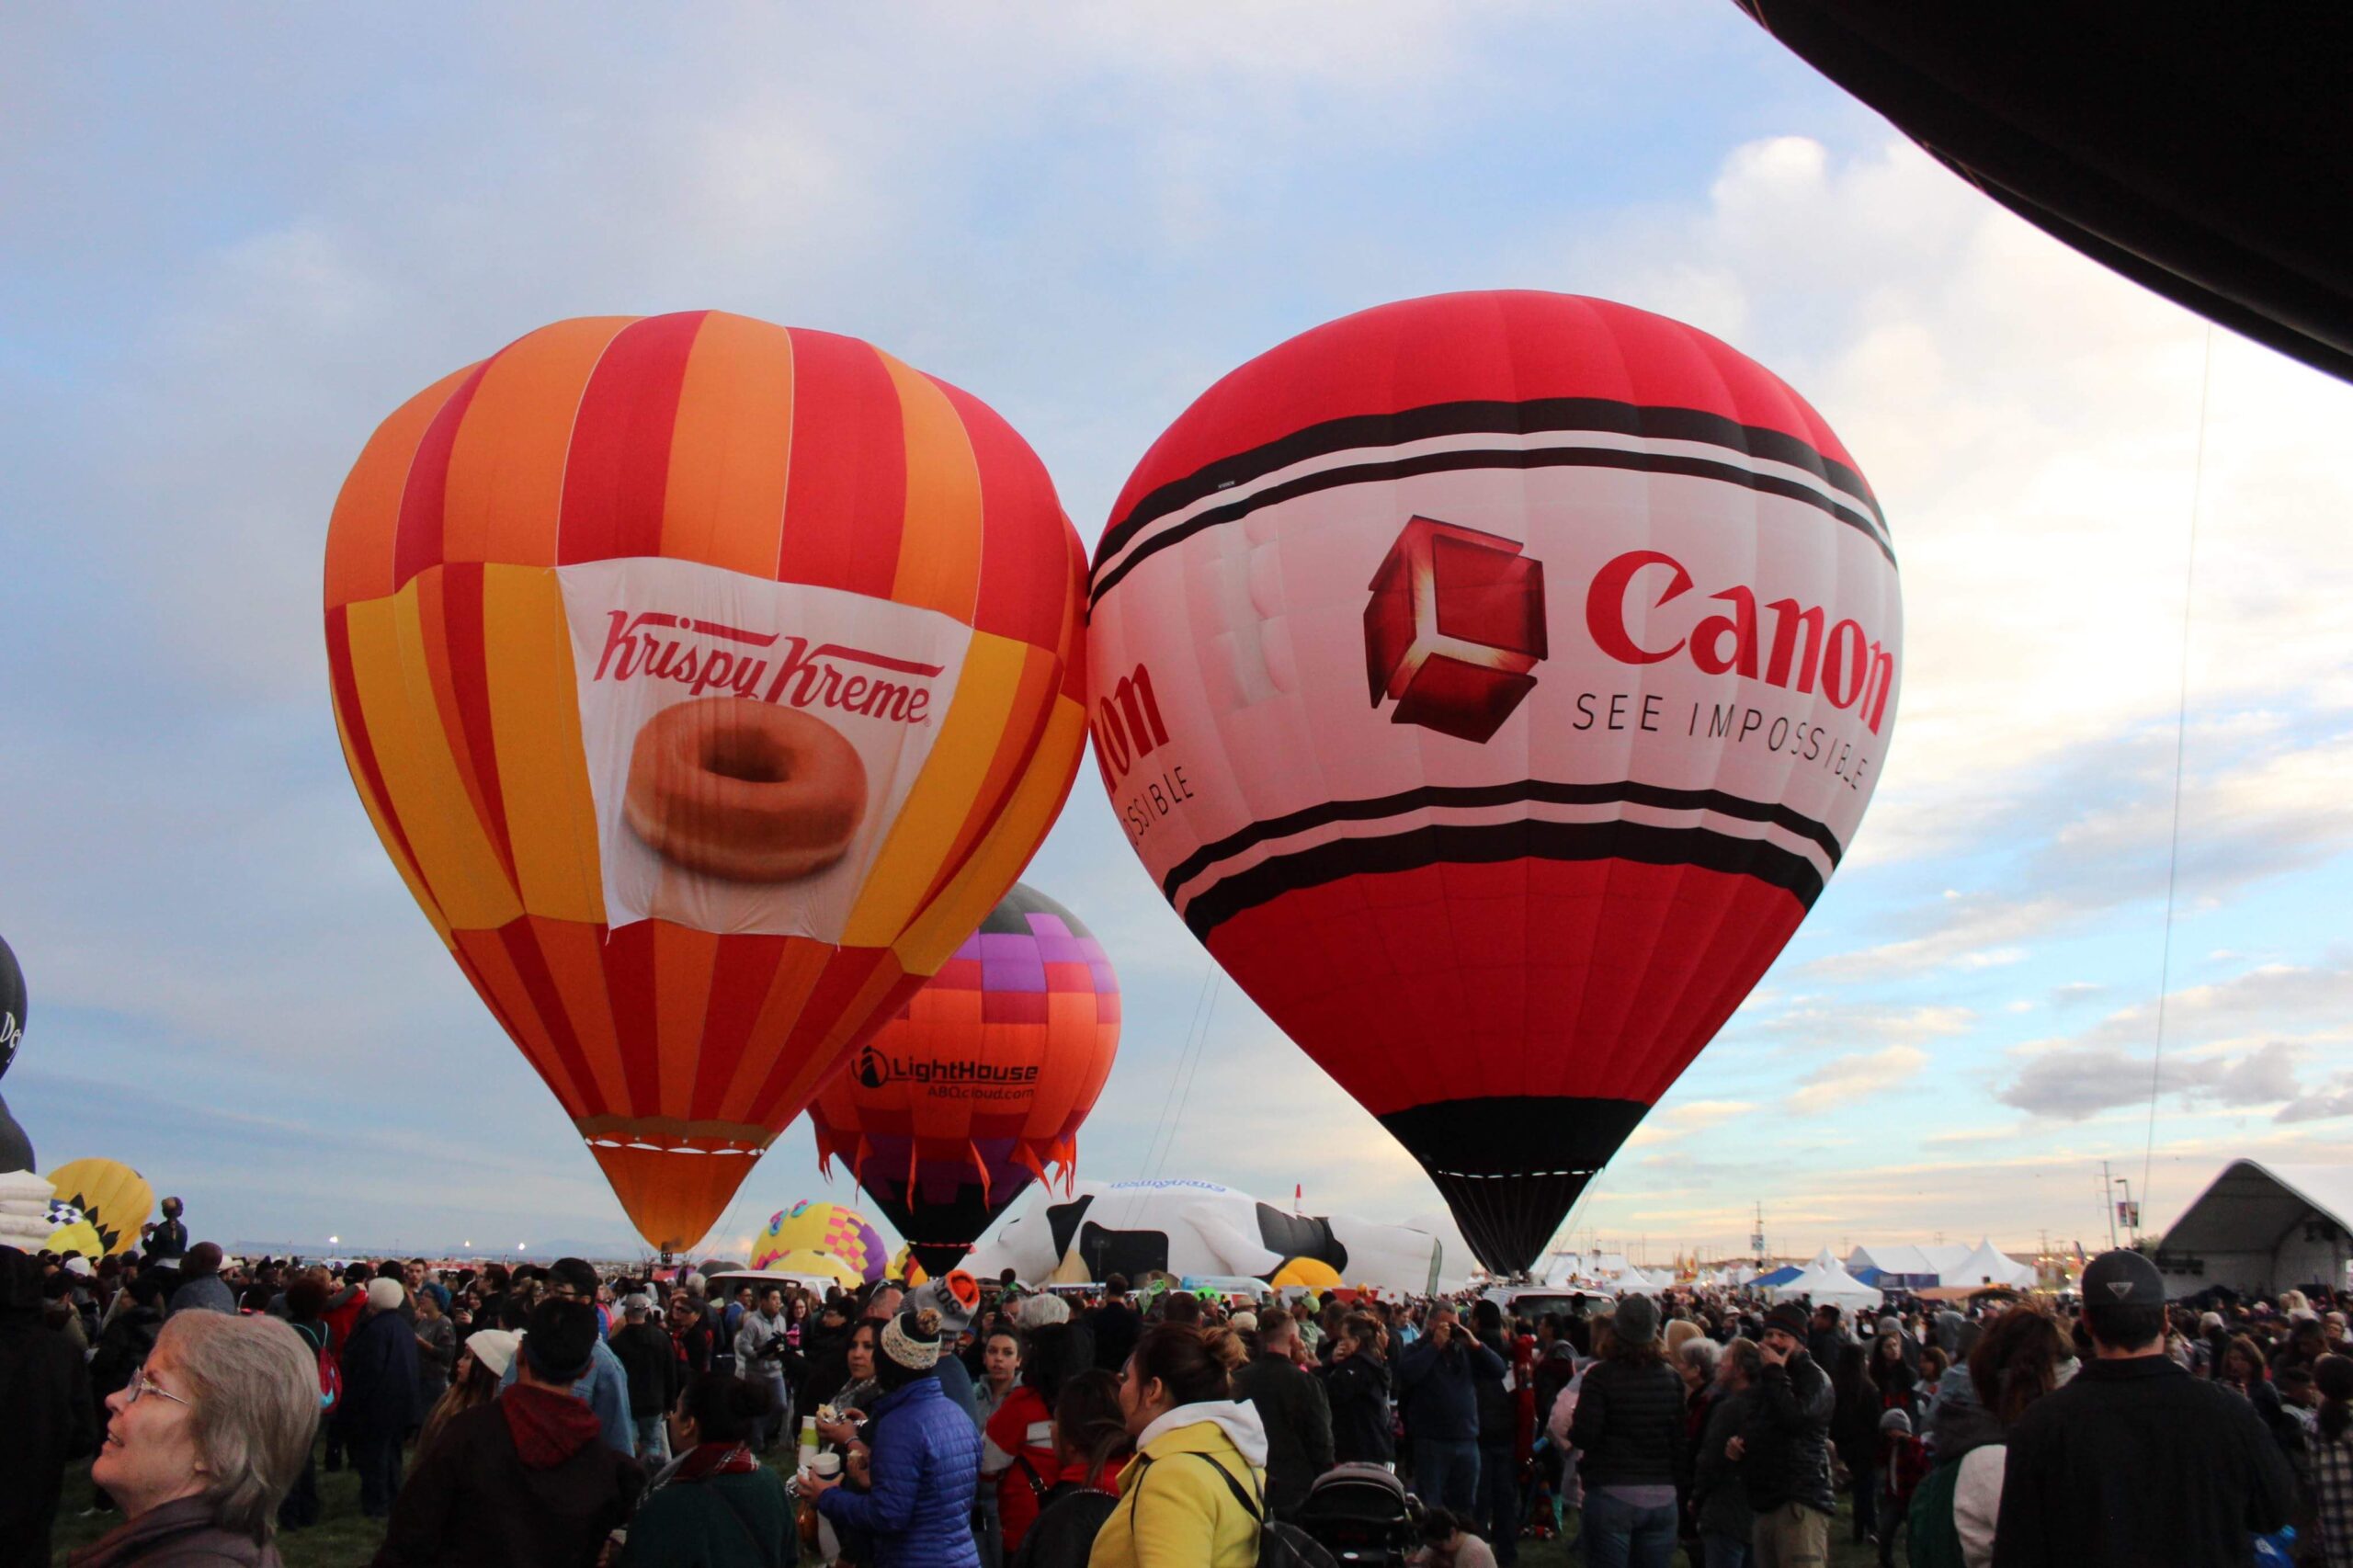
<point x="716" y="1458"/>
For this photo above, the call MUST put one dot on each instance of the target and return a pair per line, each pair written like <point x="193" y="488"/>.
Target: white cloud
<point x="1855" y="1077"/>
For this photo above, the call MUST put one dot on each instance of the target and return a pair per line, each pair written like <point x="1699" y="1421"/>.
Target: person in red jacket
<point x="1901" y="1461"/>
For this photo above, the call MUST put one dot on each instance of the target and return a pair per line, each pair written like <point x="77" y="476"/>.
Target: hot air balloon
<point x="706" y="681"/>
<point x="16" y="1147"/>
<point x="109" y="1196"/>
<point x="821" y="1238"/>
<point x="1492" y="682"/>
<point x="2188" y="151"/>
<point x="980" y="1081"/>
<point x="12" y="1006"/>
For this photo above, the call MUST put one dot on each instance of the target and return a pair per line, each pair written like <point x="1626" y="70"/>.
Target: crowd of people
<point x="568" y="1415"/>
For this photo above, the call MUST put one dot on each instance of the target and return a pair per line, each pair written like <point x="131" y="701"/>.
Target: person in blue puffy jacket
<point x="921" y="1462"/>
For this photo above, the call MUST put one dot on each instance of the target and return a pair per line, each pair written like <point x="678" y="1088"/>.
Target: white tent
<point x="1634" y="1280"/>
<point x="1830" y="1286"/>
<point x="1909" y="1261"/>
<point x="1983" y="1263"/>
<point x="1822" y="1260"/>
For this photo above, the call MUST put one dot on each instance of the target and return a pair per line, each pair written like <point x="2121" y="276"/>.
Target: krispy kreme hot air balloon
<point x="706" y="681"/>
<point x="1492" y="681"/>
<point x="980" y="1081"/>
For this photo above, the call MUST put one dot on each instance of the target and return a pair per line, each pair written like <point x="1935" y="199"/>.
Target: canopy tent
<point x="1829" y="1286"/>
<point x="1986" y="1267"/>
<point x="2260" y="1227"/>
<point x="1615" y="1268"/>
<point x="1778" y="1277"/>
<point x="1901" y="1268"/>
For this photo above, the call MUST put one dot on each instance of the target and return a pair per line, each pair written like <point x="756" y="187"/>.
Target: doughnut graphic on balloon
<point x="745" y="790"/>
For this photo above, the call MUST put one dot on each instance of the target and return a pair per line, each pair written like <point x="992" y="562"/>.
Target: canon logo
<point x="653" y="646"/>
<point x="1797" y="653"/>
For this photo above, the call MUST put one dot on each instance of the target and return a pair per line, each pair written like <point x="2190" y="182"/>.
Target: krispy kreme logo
<point x="703" y="656"/>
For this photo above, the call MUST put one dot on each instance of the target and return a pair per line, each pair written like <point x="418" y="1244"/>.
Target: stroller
<point x="1363" y="1515"/>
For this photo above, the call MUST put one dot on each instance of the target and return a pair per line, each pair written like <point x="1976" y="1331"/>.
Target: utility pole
<point x="2107" y="1202"/>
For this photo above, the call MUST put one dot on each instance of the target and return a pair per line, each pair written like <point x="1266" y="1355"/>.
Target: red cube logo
<point x="1455" y="624"/>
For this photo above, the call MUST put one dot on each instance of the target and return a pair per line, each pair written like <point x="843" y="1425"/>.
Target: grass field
<point x="343" y="1539"/>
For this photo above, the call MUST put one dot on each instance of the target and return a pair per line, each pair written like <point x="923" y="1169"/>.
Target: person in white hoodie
<point x="2022" y="1356"/>
<point x="1195" y="1492"/>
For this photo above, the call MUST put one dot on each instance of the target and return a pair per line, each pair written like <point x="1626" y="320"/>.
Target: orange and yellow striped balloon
<point x="694" y="490"/>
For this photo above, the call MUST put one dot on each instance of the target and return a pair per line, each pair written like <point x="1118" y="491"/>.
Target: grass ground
<point x="343" y="1539"/>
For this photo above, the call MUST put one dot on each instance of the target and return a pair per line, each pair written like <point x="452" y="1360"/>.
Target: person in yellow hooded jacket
<point x="1176" y="1508"/>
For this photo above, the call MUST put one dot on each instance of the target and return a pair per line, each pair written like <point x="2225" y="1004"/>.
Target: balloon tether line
<point x="1160" y="1126"/>
<point x="2180" y="747"/>
<point x="1176" y="1122"/>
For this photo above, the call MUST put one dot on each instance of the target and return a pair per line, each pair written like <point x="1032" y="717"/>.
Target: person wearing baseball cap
<point x="1784" y="1451"/>
<point x="655" y="1375"/>
<point x="2134" y="1460"/>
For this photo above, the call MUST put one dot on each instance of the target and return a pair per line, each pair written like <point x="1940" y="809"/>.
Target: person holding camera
<point x="765" y="1355"/>
<point x="1437" y="1388"/>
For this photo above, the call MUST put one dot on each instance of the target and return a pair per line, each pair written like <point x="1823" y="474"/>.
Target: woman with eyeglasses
<point x="205" y="1441"/>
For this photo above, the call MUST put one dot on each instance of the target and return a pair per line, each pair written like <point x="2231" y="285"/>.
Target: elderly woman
<point x="1695" y="1361"/>
<point x="204" y="1442"/>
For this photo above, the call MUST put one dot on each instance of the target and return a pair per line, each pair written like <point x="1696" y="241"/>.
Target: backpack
<point x="330" y="1370"/>
<point x="1933" y="1542"/>
<point x="1280" y="1545"/>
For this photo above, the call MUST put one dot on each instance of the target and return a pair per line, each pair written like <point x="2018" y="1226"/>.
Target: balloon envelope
<point x="2183" y="151"/>
<point x="12" y="1006"/>
<point x="818" y="1238"/>
<point x="980" y="1082"/>
<point x="1492" y="682"/>
<point x="706" y="681"/>
<point x="112" y="1198"/>
<point x="16" y="1146"/>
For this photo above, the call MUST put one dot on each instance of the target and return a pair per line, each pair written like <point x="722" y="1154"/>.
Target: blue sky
<point x="229" y="242"/>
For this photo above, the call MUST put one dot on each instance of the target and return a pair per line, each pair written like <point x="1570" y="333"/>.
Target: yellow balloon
<point x="1311" y="1272"/>
<point x="76" y="1237"/>
<point x="113" y="1198"/>
<point x="817" y="1262"/>
<point x="905" y="1269"/>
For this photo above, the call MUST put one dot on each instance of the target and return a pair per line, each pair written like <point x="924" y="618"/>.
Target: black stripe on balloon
<point x="1485" y="418"/>
<point x="1468" y="796"/>
<point x="1458" y="462"/>
<point x="1510" y="1166"/>
<point x="1491" y="844"/>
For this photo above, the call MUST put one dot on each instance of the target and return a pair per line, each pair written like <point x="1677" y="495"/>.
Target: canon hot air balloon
<point x="1492" y="682"/>
<point x="708" y="681"/>
<point x="980" y="1081"/>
